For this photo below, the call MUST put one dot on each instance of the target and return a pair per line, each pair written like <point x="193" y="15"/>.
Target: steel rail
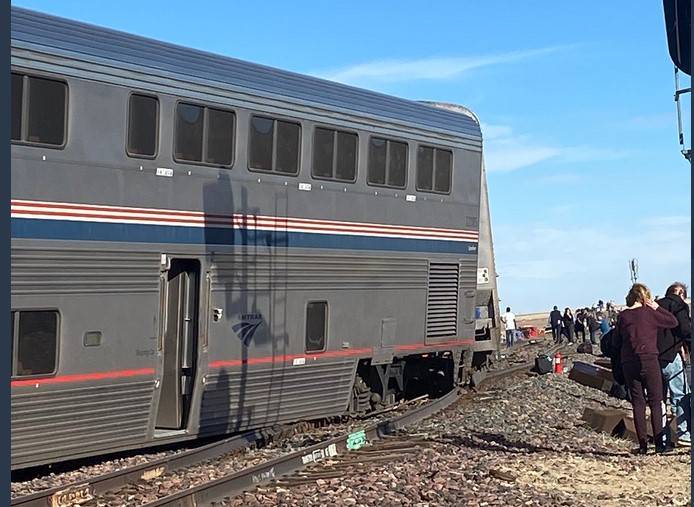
<point x="80" y="491"/>
<point x="226" y="487"/>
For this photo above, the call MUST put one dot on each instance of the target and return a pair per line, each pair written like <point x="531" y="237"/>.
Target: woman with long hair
<point x="568" y="320"/>
<point x="637" y="336"/>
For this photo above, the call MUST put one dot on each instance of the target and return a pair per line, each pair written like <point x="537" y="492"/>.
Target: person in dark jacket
<point x="568" y="322"/>
<point x="579" y="325"/>
<point x="637" y="335"/>
<point x="593" y="326"/>
<point x="609" y="349"/>
<point x="670" y="348"/>
<point x="555" y="321"/>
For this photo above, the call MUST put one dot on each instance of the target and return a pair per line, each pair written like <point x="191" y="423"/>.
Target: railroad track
<point x="374" y="442"/>
<point x="81" y="491"/>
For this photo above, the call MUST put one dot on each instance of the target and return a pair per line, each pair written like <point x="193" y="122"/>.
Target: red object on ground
<point x="532" y="332"/>
<point x="558" y="366"/>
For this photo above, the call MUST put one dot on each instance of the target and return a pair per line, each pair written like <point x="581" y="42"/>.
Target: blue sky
<point x="575" y="99"/>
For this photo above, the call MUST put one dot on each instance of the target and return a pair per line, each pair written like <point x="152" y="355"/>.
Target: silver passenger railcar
<point x="202" y="245"/>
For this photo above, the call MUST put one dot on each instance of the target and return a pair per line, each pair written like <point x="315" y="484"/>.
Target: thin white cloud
<point x="495" y="131"/>
<point x="515" y="152"/>
<point x="434" y="68"/>
<point x="507" y="151"/>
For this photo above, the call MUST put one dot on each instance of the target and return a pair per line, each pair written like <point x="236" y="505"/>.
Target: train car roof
<point x="53" y="35"/>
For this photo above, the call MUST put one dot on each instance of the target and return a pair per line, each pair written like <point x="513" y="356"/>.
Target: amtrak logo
<point x="245" y="330"/>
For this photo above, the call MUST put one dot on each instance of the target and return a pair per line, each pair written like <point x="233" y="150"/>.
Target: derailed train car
<point x="202" y="245"/>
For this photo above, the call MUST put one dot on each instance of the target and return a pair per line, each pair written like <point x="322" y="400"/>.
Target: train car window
<point x="434" y="168"/>
<point x="377" y="161"/>
<point x="262" y="133"/>
<point x="316" y="325"/>
<point x="275" y="145"/>
<point x="46" y="118"/>
<point x="346" y="165"/>
<point x="204" y="135"/>
<point x="189" y="129"/>
<point x="288" y="141"/>
<point x="17" y="92"/>
<point x="36" y="343"/>
<point x="143" y="122"/>
<point x="38" y="110"/>
<point x="397" y="166"/>
<point x="442" y="180"/>
<point x="334" y="155"/>
<point x="387" y="163"/>
<point x="220" y="137"/>
<point x="425" y="168"/>
<point x="323" y="151"/>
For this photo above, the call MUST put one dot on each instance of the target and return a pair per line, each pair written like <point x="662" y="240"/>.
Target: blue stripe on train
<point x="30" y="228"/>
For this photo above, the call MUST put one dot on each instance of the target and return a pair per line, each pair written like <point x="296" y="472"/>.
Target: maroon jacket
<point x="637" y="330"/>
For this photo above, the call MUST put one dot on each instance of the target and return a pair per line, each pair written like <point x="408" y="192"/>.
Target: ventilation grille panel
<point x="442" y="300"/>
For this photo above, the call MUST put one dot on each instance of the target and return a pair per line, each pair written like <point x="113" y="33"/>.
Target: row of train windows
<point x="35" y="338"/>
<point x="205" y="135"/>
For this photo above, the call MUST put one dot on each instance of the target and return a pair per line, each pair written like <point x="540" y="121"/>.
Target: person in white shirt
<point x="509" y="320"/>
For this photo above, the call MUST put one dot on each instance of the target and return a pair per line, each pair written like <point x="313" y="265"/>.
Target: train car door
<point x="179" y="343"/>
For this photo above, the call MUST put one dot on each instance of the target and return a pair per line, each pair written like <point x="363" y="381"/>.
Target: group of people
<point x="591" y="320"/>
<point x="648" y="343"/>
<point x="567" y="326"/>
<point x="651" y="342"/>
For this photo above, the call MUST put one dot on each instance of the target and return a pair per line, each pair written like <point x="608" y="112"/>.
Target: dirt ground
<point x="521" y="443"/>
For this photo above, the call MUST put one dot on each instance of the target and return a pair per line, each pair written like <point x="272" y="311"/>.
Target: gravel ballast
<point x="522" y="442"/>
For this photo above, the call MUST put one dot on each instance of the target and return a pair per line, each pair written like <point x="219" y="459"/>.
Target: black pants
<point x="569" y="332"/>
<point x="640" y="374"/>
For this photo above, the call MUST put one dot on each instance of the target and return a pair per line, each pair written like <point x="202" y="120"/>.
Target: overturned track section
<point x="227" y="487"/>
<point x="81" y="491"/>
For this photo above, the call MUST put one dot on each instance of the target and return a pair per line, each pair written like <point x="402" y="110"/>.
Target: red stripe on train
<point x="83" y="377"/>
<point x="290" y="357"/>
<point x="107" y="375"/>
<point x="330" y="353"/>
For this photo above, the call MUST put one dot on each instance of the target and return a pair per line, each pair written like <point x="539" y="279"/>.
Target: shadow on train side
<point x="248" y="290"/>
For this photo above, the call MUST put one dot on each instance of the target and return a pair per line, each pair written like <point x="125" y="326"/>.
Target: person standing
<point x="593" y="326"/>
<point x="604" y="325"/>
<point x="637" y="336"/>
<point x="568" y="320"/>
<point x="555" y="323"/>
<point x="579" y="325"/>
<point x="509" y="320"/>
<point x="670" y="347"/>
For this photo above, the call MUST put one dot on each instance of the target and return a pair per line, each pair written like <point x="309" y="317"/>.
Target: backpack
<point x="610" y="347"/>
